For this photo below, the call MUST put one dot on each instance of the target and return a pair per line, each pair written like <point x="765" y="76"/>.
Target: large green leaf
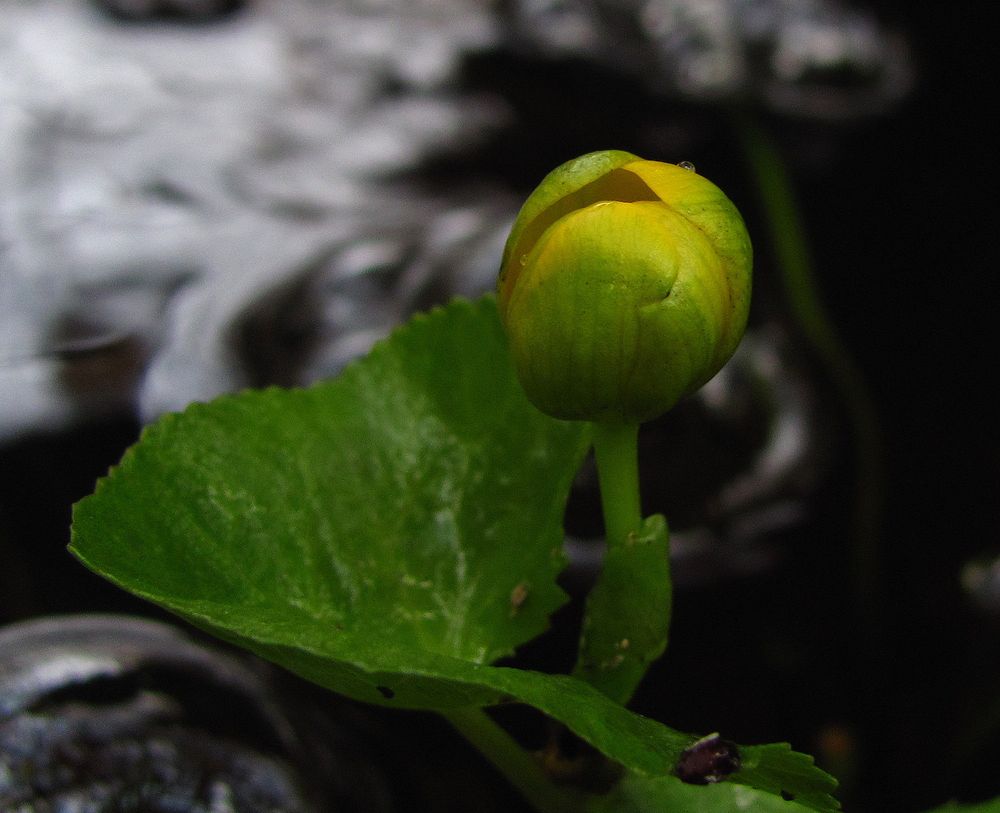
<point x="387" y="534"/>
<point x="408" y="511"/>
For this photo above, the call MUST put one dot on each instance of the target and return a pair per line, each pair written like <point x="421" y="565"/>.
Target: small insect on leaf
<point x="707" y="761"/>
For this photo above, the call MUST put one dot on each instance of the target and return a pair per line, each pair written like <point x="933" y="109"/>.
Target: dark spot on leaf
<point x="788" y="797"/>
<point x="386" y="692"/>
<point x="711" y="759"/>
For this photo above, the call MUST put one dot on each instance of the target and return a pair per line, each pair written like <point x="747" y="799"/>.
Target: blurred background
<point x="198" y="196"/>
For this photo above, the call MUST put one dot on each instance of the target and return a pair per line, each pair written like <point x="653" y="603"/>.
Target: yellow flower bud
<point x="625" y="285"/>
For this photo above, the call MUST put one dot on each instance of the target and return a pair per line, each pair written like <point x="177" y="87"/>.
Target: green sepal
<point x="627" y="616"/>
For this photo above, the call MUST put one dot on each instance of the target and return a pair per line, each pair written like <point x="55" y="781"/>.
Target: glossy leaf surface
<point x="408" y="511"/>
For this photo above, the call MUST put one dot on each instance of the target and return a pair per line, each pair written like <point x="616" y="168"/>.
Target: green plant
<point x="392" y="533"/>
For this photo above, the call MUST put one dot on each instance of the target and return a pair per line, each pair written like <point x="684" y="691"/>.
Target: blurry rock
<point x="816" y="59"/>
<point x="118" y="713"/>
<point x="145" y="10"/>
<point x="170" y="190"/>
<point x="187" y="210"/>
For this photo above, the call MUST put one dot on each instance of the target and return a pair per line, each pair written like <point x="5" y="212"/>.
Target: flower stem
<point x="616" y="452"/>
<point x="519" y="766"/>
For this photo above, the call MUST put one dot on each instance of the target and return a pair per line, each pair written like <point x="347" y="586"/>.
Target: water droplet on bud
<point x="524" y="259"/>
<point x="686" y="165"/>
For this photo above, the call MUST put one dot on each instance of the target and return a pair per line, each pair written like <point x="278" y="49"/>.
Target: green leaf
<point x="411" y="509"/>
<point x="387" y="534"/>
<point x="641" y="794"/>
<point x="777" y="769"/>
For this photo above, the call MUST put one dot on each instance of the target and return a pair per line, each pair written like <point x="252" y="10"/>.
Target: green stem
<point x="520" y="768"/>
<point x="617" y="455"/>
<point x="796" y="267"/>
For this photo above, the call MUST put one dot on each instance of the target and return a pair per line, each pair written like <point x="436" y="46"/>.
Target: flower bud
<point x="625" y="285"/>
